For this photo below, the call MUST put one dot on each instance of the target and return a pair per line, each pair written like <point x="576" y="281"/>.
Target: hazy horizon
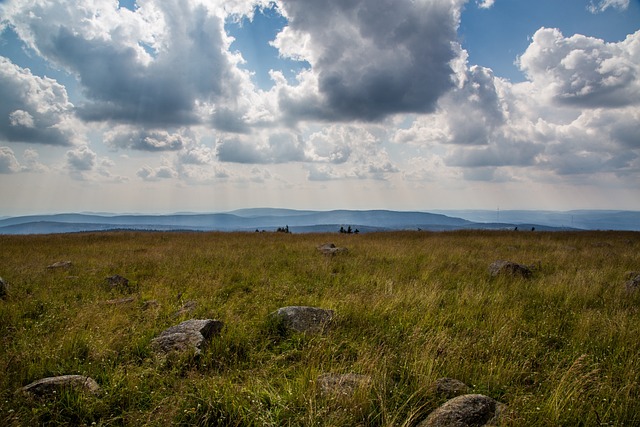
<point x="496" y="212"/>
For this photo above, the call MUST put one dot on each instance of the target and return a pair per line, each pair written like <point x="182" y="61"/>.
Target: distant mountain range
<point x="305" y="221"/>
<point x="579" y="219"/>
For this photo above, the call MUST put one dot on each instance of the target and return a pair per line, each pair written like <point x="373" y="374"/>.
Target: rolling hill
<point x="304" y="221"/>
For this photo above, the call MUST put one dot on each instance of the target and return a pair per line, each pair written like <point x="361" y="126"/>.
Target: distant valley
<point x="305" y="221"/>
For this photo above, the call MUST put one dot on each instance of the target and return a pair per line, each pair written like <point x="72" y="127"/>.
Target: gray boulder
<point x="331" y="249"/>
<point x="450" y="387"/>
<point x="303" y="319"/>
<point x="3" y="289"/>
<point x="509" y="268"/>
<point x="55" y="385"/>
<point x="188" y="335"/>
<point x="633" y="281"/>
<point x="341" y="385"/>
<point x="468" y="410"/>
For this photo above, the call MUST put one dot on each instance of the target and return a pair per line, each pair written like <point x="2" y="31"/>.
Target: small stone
<point x="120" y="301"/>
<point x="120" y="283"/>
<point x="3" y="289"/>
<point x="468" y="410"/>
<point x="55" y="385"/>
<point x="304" y="319"/>
<point x="331" y="249"/>
<point x="509" y="268"/>
<point x="188" y="335"/>
<point x="633" y="282"/>
<point x="117" y="280"/>
<point x="450" y="387"/>
<point x="60" y="265"/>
<point x="631" y="274"/>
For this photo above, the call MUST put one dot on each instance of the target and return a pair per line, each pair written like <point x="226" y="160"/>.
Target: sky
<point x="163" y="106"/>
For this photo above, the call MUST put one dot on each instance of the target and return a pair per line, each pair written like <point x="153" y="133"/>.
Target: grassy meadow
<point x="560" y="349"/>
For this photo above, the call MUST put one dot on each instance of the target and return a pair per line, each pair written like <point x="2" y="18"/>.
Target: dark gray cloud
<point x="33" y="109"/>
<point x="228" y="120"/>
<point x="121" y="81"/>
<point x="118" y="87"/>
<point x="499" y="153"/>
<point x="372" y="58"/>
<point x="474" y="111"/>
<point x="236" y="150"/>
<point x="577" y="163"/>
<point x="627" y="132"/>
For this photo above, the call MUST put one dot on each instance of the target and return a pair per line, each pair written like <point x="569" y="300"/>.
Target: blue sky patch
<point x="252" y="39"/>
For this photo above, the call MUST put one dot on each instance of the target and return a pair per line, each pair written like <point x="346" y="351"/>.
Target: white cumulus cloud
<point x="147" y="173"/>
<point x="34" y="109"/>
<point x="21" y="118"/>
<point x="126" y="137"/>
<point x="8" y="161"/>
<point x="81" y="159"/>
<point x="577" y="115"/>
<point x="485" y="4"/>
<point x="584" y="71"/>
<point x="602" y="5"/>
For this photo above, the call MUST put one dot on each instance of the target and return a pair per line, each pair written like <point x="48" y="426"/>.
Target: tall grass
<point x="560" y="348"/>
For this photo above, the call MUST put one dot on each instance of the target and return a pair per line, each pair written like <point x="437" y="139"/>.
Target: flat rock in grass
<point x="331" y="249"/>
<point x="450" y="387"/>
<point x="633" y="282"/>
<point x="3" y="289"/>
<point x="304" y="319"/>
<point x="468" y="410"/>
<point x="188" y="335"/>
<point x="508" y="268"/>
<point x="55" y="385"/>
<point x="341" y="385"/>
<point x="120" y="301"/>
<point x="60" y="265"/>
